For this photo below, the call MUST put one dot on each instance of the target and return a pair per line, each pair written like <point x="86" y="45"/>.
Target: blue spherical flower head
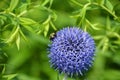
<point x="72" y="51"/>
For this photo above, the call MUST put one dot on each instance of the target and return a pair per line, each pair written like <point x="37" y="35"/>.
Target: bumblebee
<point x="52" y="36"/>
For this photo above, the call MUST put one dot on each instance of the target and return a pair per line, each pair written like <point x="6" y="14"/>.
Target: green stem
<point x="102" y="6"/>
<point x="109" y="11"/>
<point x="77" y="3"/>
<point x="65" y="77"/>
<point x="58" y="77"/>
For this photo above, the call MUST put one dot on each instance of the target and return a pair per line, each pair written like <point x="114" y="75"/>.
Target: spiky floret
<point x="72" y="51"/>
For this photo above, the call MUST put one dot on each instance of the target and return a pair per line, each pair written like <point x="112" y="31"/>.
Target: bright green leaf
<point x="92" y="25"/>
<point x="45" y="2"/>
<point x="51" y="1"/>
<point x="54" y="16"/>
<point x="98" y="37"/>
<point x="46" y="29"/>
<point x="106" y="45"/>
<point x="13" y="36"/>
<point x="13" y="4"/>
<point x="22" y="9"/>
<point x="83" y="13"/>
<point x="53" y="26"/>
<point x="102" y="2"/>
<point x="109" y="5"/>
<point x="22" y="35"/>
<point x="27" y="21"/>
<point x="76" y="3"/>
<point x="10" y="76"/>
<point x="47" y="21"/>
<point x="116" y="35"/>
<point x="18" y="41"/>
<point x="29" y="28"/>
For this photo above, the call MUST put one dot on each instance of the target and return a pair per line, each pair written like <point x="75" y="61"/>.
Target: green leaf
<point x="13" y="36"/>
<point x="117" y="42"/>
<point x="116" y="35"/>
<point x="47" y="21"/>
<point x="29" y="28"/>
<point x="46" y="29"/>
<point x="102" y="2"/>
<point x="22" y="35"/>
<point x="27" y="21"/>
<point x="53" y="26"/>
<point x="46" y="25"/>
<point x="101" y="42"/>
<point x="53" y="15"/>
<point x="51" y="1"/>
<point x="89" y="1"/>
<point x="4" y="68"/>
<point x="108" y="23"/>
<point x="13" y="4"/>
<point x="109" y="5"/>
<point x="98" y="37"/>
<point x="22" y="9"/>
<point x="23" y="76"/>
<point x="10" y="76"/>
<point x="113" y="47"/>
<point x="29" y="24"/>
<point x="106" y="45"/>
<point x="1" y="22"/>
<point x="82" y="15"/>
<point x="76" y="3"/>
<point x="18" y="41"/>
<point x="93" y="25"/>
<point x="3" y="17"/>
<point x="45" y="2"/>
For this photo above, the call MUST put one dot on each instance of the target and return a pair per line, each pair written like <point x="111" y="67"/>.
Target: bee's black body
<point x="52" y="36"/>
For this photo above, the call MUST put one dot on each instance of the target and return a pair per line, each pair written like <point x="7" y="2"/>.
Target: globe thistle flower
<point x="71" y="51"/>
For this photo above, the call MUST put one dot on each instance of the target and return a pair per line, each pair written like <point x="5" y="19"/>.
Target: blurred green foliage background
<point x="26" y="25"/>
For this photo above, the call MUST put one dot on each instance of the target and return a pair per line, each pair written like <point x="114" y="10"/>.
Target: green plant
<point x="25" y="26"/>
